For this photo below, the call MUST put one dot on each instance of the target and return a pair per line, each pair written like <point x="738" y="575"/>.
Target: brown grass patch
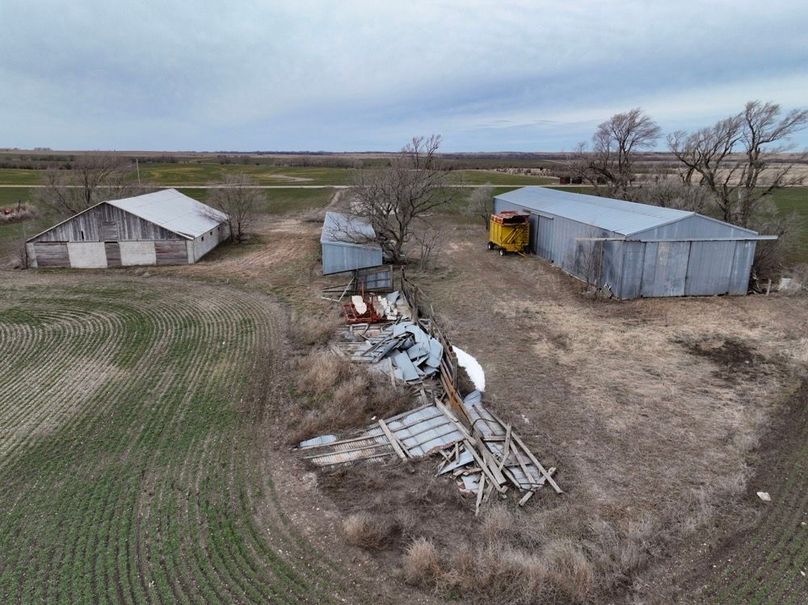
<point x="338" y="394"/>
<point x="367" y="531"/>
<point x="421" y="565"/>
<point x="315" y="330"/>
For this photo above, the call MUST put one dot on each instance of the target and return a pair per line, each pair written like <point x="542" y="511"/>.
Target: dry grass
<point x="367" y="531"/>
<point x="338" y="394"/>
<point x="315" y="330"/>
<point x="421" y="565"/>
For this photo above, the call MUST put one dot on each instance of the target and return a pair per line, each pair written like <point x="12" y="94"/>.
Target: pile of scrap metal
<point x="373" y="308"/>
<point x="409" y="353"/>
<point x="502" y="457"/>
<point x="490" y="456"/>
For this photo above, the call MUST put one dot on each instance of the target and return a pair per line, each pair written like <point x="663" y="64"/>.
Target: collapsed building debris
<point x="414" y="353"/>
<point x="479" y="451"/>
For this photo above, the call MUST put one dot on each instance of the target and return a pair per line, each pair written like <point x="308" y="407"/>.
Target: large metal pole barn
<point x="635" y="250"/>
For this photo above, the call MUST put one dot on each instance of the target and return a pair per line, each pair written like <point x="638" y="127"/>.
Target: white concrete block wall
<point x="137" y="253"/>
<point x="200" y="247"/>
<point x="87" y="255"/>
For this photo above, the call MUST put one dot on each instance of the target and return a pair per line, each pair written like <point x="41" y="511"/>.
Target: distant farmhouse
<point x="161" y="228"/>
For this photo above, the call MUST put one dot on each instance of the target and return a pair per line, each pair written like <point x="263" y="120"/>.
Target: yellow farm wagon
<point x="509" y="231"/>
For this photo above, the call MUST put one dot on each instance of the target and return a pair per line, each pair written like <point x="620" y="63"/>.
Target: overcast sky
<point x="354" y="75"/>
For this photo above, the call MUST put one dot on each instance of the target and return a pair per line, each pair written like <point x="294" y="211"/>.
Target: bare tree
<point x="391" y="198"/>
<point x="429" y="242"/>
<point x="90" y="180"/>
<point x="481" y="203"/>
<point x="671" y="193"/>
<point x="734" y="157"/>
<point x="614" y="147"/>
<point x="238" y="198"/>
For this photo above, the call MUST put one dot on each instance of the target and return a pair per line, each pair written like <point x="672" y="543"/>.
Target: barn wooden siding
<point x="106" y="223"/>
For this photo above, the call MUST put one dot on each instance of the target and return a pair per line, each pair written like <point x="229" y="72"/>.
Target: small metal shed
<point x="635" y="250"/>
<point x="348" y="243"/>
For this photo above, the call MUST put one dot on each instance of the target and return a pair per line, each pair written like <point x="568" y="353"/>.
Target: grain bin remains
<point x="635" y="250"/>
<point x="161" y="228"/>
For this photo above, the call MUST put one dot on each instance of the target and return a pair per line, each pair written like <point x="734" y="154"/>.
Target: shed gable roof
<point x="174" y="211"/>
<point x="167" y="208"/>
<point x="618" y="216"/>
<point x="348" y="230"/>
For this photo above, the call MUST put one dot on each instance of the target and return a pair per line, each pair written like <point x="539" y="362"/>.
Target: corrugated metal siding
<point x="339" y="257"/>
<point x="544" y="237"/>
<point x="665" y="268"/>
<point x="693" y="227"/>
<point x="741" y="267"/>
<point x="646" y="268"/>
<point x="709" y="268"/>
<point x="631" y="274"/>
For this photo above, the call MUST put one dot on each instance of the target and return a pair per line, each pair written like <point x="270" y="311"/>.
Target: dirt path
<point x="650" y="436"/>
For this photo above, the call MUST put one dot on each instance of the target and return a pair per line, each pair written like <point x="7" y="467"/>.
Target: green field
<point x="188" y="174"/>
<point x="131" y="464"/>
<point x="794" y="201"/>
<point x="279" y="201"/>
<point x="766" y="563"/>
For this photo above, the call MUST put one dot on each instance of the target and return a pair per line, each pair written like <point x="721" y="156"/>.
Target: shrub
<point x="367" y="531"/>
<point x="421" y="562"/>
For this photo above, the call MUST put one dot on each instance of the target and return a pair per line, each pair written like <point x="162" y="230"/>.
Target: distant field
<point x="794" y="200"/>
<point x="188" y="174"/>
<point x="279" y="201"/>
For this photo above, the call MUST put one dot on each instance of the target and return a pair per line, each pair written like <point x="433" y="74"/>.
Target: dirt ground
<point x="651" y="410"/>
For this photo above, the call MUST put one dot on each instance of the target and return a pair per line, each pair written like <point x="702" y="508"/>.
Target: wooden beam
<point x="393" y="440"/>
<point x="533" y="459"/>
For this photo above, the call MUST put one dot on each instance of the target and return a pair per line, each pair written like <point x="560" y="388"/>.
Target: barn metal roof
<point x="341" y="228"/>
<point x="173" y="211"/>
<point x="625" y="218"/>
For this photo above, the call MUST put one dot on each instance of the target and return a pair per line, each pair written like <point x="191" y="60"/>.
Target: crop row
<point x="126" y="471"/>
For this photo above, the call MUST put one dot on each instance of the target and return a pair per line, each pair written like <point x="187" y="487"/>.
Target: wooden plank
<point x="521" y="464"/>
<point x="506" y="449"/>
<point x="171" y="252"/>
<point x="393" y="440"/>
<point x="51" y="254"/>
<point x="479" y="495"/>
<point x="538" y="464"/>
<point x="526" y="497"/>
<point x="113" y="250"/>
<point x="484" y="467"/>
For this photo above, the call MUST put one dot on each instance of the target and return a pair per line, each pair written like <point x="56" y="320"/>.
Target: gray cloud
<point x="367" y="75"/>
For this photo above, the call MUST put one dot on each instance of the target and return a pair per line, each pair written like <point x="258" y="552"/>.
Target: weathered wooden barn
<point x="635" y="250"/>
<point x="348" y="243"/>
<point x="160" y="228"/>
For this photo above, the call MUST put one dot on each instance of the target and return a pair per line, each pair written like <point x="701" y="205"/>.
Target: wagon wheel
<point x="502" y="251"/>
<point x="490" y="245"/>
